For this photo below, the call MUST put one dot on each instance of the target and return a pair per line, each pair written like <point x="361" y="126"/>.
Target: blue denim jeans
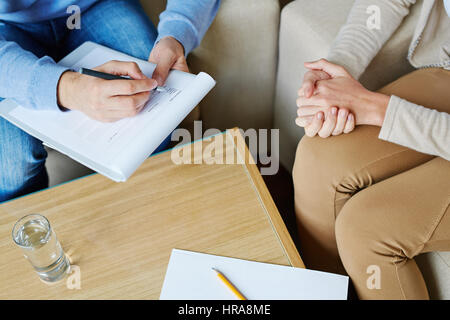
<point x="118" y="24"/>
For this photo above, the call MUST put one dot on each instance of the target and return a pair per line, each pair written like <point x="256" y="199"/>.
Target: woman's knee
<point x="322" y="165"/>
<point x="363" y="234"/>
<point x="311" y="159"/>
<point x="345" y="164"/>
<point x="352" y="233"/>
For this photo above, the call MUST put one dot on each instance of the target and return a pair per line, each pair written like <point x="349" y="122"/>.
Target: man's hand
<point x="106" y="100"/>
<point x="351" y="102"/>
<point x="167" y="54"/>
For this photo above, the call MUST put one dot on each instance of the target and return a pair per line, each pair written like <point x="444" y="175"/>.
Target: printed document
<point x="115" y="149"/>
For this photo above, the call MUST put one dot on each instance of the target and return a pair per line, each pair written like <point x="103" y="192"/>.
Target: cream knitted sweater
<point x="406" y="123"/>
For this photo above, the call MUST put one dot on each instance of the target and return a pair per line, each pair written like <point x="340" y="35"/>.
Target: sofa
<point x="255" y="50"/>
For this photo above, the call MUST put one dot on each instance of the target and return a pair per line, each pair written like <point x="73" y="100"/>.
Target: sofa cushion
<point x="435" y="267"/>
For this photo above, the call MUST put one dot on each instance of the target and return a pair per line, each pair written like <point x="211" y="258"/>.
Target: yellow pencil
<point x="230" y="286"/>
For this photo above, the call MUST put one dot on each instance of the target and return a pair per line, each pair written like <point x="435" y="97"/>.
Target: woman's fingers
<point x="304" y="121"/>
<point x="350" y="124"/>
<point x="329" y="123"/>
<point x="314" y="100"/>
<point x="316" y="124"/>
<point x="341" y="121"/>
<point x="307" y="111"/>
<point x="332" y="69"/>
<point x="334" y="121"/>
<point x="309" y="82"/>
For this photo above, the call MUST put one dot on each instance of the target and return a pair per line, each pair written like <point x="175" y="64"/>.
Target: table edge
<point x="266" y="199"/>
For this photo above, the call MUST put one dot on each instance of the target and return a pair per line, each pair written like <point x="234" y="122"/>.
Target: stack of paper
<point x="190" y="277"/>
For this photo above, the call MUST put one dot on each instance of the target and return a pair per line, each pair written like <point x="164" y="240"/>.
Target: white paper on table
<point x="116" y="149"/>
<point x="189" y="277"/>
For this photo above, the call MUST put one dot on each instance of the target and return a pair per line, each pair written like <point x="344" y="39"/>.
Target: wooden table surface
<point x="121" y="234"/>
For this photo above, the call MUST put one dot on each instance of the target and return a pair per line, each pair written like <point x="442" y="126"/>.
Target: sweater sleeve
<point x="187" y="21"/>
<point x="363" y="36"/>
<point x="416" y="127"/>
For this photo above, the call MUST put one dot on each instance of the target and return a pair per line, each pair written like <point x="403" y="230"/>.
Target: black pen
<point x="108" y="76"/>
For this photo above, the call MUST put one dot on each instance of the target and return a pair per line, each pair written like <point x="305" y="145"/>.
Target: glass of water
<point x="41" y="248"/>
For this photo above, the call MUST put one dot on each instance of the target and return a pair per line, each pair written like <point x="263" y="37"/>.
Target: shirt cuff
<point x="44" y="84"/>
<point x="389" y="118"/>
<point x="182" y="31"/>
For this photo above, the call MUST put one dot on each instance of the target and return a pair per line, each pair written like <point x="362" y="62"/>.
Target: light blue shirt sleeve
<point x="187" y="21"/>
<point x="29" y="80"/>
<point x="33" y="81"/>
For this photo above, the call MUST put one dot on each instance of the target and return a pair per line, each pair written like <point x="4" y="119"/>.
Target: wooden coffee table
<point x="121" y="234"/>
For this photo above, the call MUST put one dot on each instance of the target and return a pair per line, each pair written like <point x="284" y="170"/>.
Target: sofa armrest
<point x="435" y="267"/>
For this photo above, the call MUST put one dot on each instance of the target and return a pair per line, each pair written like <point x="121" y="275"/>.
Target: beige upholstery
<point x="435" y="267"/>
<point x="240" y="52"/>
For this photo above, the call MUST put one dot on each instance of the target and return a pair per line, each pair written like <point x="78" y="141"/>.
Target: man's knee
<point x="22" y="178"/>
<point x="22" y="162"/>
<point x="121" y="25"/>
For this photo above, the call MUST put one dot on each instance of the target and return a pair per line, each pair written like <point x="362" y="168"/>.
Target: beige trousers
<point x="369" y="206"/>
